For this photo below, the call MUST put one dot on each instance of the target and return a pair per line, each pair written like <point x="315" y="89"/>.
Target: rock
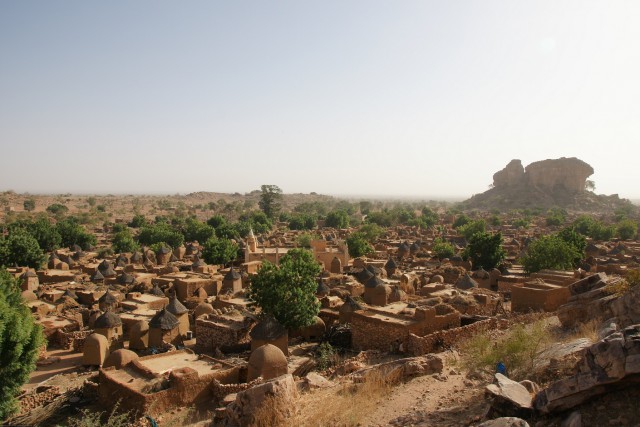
<point x="607" y="328"/>
<point x="401" y="369"/>
<point x="505" y="422"/>
<point x="573" y="420"/>
<point x="313" y="380"/>
<point x="509" y="398"/>
<point x="512" y="174"/>
<point x="612" y="362"/>
<point x="247" y="402"/>
<point x="531" y="387"/>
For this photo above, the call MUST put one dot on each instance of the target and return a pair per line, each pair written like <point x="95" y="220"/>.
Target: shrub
<point x="22" y="249"/>
<point x="57" y="209"/>
<point x="443" y="249"/>
<point x="123" y="242"/>
<point x="337" y="219"/>
<point x="627" y="229"/>
<point x="302" y="222"/>
<point x="326" y="356"/>
<point x="549" y="252"/>
<point x="72" y="233"/>
<point x="219" y="251"/>
<point x="472" y="227"/>
<point x="29" y="204"/>
<point x="358" y="245"/>
<point x="20" y="342"/>
<point x="485" y="250"/>
<point x="160" y="232"/>
<point x="138" y="221"/>
<point x="196" y="230"/>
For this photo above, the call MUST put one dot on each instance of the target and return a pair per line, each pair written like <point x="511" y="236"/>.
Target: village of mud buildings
<point x="517" y="307"/>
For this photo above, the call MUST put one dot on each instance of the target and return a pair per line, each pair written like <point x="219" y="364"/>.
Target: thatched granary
<point x="267" y="361"/>
<point x="107" y="302"/>
<point x="347" y="309"/>
<point x="108" y="324"/>
<point x="163" y="327"/>
<point x="390" y="267"/>
<point x="181" y="313"/>
<point x="139" y="336"/>
<point x="232" y="282"/>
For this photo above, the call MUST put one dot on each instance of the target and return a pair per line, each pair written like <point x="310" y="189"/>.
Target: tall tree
<point x="287" y="291"/>
<point x="270" y="200"/>
<point x="20" y="342"/>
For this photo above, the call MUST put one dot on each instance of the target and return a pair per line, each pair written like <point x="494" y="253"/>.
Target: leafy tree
<point x="556" y="217"/>
<point x="358" y="245"/>
<point x="197" y="230"/>
<point x="589" y="185"/>
<point x="443" y="249"/>
<point x="627" y="229"/>
<point x="337" y="219"/>
<point x="371" y="232"/>
<point x="270" y="200"/>
<point x="40" y="229"/>
<point x="549" y="252"/>
<point x="302" y="222"/>
<point x="461" y="220"/>
<point x="287" y="291"/>
<point x="521" y="222"/>
<point x="228" y="231"/>
<point x="257" y="220"/>
<point x="138" y="221"/>
<point x="382" y="218"/>
<point x="160" y="232"/>
<point x="91" y="201"/>
<point x="217" y="221"/>
<point x="72" y="233"/>
<point x="29" y="204"/>
<point x="20" y="342"/>
<point x="20" y="248"/>
<point x="57" y="209"/>
<point x="472" y="227"/>
<point x="304" y="239"/>
<point x="123" y="242"/>
<point x="365" y="207"/>
<point x="576" y="240"/>
<point x="219" y="251"/>
<point x="485" y="250"/>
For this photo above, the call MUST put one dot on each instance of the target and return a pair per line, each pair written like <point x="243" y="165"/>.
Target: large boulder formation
<point x="546" y="183"/>
<point x="611" y="363"/>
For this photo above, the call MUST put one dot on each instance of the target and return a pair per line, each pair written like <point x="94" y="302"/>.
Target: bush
<point x="138" y="221"/>
<point x="519" y="350"/>
<point x="304" y="239"/>
<point x="549" y="252"/>
<point x="57" y="209"/>
<point x="287" y="291"/>
<point x="160" y="232"/>
<point x="123" y="242"/>
<point x="443" y="249"/>
<point x="358" y="245"/>
<point x="371" y="232"/>
<point x="472" y="227"/>
<point x="627" y="229"/>
<point x="72" y="233"/>
<point x="302" y="222"/>
<point x="461" y="220"/>
<point x="29" y="204"/>
<point x="326" y="356"/>
<point x="42" y="230"/>
<point x="196" y="230"/>
<point x="20" y="342"/>
<point x="485" y="250"/>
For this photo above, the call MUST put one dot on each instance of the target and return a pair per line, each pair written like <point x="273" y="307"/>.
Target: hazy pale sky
<point x="421" y="98"/>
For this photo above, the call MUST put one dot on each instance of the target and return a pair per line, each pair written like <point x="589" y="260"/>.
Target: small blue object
<point x="501" y="369"/>
<point x="152" y="422"/>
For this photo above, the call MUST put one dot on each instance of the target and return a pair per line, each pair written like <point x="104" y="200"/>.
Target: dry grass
<point x="344" y="405"/>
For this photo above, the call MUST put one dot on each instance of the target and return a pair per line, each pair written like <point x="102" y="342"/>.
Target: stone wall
<point x="210" y="334"/>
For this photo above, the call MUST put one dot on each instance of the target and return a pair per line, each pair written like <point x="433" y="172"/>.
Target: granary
<point x="156" y="291"/>
<point x="202" y="308"/>
<point x="29" y="281"/>
<point x="107" y="302"/>
<point x="164" y="328"/>
<point x="109" y="325"/>
<point x="270" y="331"/>
<point x="266" y="361"/>
<point x="232" y="282"/>
<point x="125" y="279"/>
<point x="466" y="282"/>
<point x="95" y="350"/>
<point x="97" y="277"/>
<point x="336" y="265"/>
<point x="322" y="290"/>
<point x="347" y="309"/>
<point x="106" y="269"/>
<point x="120" y="358"/>
<point x="180" y="252"/>
<point x="376" y="291"/>
<point x="199" y="266"/>
<point x="315" y="331"/>
<point x="181" y="313"/>
<point x="163" y="255"/>
<point x="390" y="267"/>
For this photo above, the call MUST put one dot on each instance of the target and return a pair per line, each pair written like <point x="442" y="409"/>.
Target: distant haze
<point x="412" y="98"/>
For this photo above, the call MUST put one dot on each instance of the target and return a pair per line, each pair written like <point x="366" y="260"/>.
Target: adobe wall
<point x="210" y="335"/>
<point x="368" y="333"/>
<point x="525" y="299"/>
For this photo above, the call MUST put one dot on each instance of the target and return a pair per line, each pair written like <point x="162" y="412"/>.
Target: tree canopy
<point x="219" y="251"/>
<point x="485" y="250"/>
<point x="270" y="200"/>
<point x="287" y="291"/>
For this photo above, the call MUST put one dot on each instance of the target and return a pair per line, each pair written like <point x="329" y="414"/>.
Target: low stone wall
<point x="210" y="335"/>
<point x="375" y="334"/>
<point x="72" y="340"/>
<point x="219" y="390"/>
<point x="38" y="398"/>
<point x="440" y="340"/>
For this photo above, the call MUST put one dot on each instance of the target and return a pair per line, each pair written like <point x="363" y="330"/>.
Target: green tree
<point x="358" y="245"/>
<point x="91" y="201"/>
<point x="461" y="220"/>
<point x="472" y="227"/>
<point x="197" y="230"/>
<point x="287" y="291"/>
<point x="217" y="221"/>
<point x="20" y="342"/>
<point x="29" y="204"/>
<point x="627" y="229"/>
<point x="549" y="252"/>
<point x="270" y="200"/>
<point x="371" y="232"/>
<point x="123" y="242"/>
<point x="443" y="249"/>
<point x="42" y="230"/>
<point x="577" y="242"/>
<point x="57" y="209"/>
<point x="302" y="222"/>
<point x="20" y="248"/>
<point x="72" y="233"/>
<point x="337" y="219"/>
<point x="485" y="250"/>
<point x="219" y="251"/>
<point x="160" y="232"/>
<point x="138" y="221"/>
<point x="556" y="216"/>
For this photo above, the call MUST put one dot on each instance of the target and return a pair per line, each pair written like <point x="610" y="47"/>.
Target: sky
<point x="395" y="98"/>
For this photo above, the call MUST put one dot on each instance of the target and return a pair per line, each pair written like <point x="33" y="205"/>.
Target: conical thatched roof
<point x="198" y="262"/>
<point x="164" y="320"/>
<point x="466" y="282"/>
<point x="70" y="294"/>
<point x="268" y="329"/>
<point x="28" y="274"/>
<point x="390" y="264"/>
<point x="350" y="305"/>
<point x="125" y="279"/>
<point x="107" y="320"/>
<point x="156" y="291"/>
<point x="107" y="298"/>
<point x="176" y="307"/>
<point x="136" y="257"/>
<point x="373" y="282"/>
<point x="97" y="276"/>
<point x="364" y="275"/>
<point x="322" y="288"/>
<point x="232" y="275"/>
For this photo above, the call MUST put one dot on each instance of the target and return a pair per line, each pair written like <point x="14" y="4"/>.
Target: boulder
<point x="611" y="363"/>
<point x="402" y="369"/>
<point x="573" y="420"/>
<point x="505" y="422"/>
<point x="247" y="402"/>
<point x="313" y="380"/>
<point x="509" y="398"/>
